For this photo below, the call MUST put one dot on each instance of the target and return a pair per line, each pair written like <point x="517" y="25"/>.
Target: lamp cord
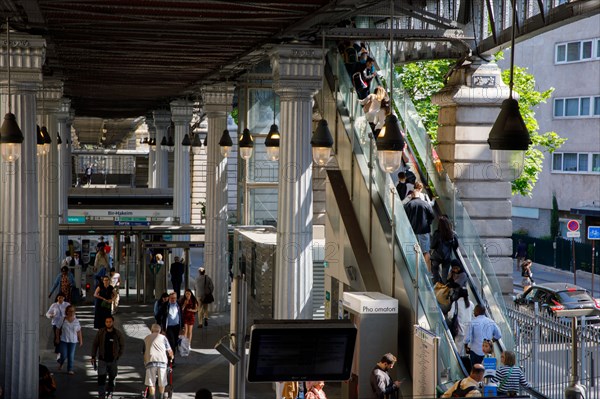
<point x="391" y="54"/>
<point x="512" y="47"/>
<point x="8" y="62"/>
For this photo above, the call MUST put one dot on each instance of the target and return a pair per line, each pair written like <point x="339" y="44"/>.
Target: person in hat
<point x="204" y="293"/>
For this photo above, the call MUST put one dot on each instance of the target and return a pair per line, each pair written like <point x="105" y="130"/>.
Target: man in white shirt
<point x="157" y="352"/>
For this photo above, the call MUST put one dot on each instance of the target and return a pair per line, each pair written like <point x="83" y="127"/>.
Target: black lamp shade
<point x="322" y="136"/>
<point x="58" y="139"/>
<point x="186" y="140"/>
<point x="390" y="138"/>
<point x="163" y="142"/>
<point x="509" y="132"/>
<point x="47" y="138"/>
<point x="246" y="140"/>
<point x="272" y="139"/>
<point x="40" y="136"/>
<point x="10" y="133"/>
<point x="171" y="142"/>
<point x="225" y="139"/>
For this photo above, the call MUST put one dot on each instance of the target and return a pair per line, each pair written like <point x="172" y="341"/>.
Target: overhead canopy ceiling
<point x="120" y="59"/>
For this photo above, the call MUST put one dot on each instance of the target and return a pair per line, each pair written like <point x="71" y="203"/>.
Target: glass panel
<point x="587" y="50"/>
<point x="561" y="50"/>
<point x="584" y="107"/>
<point x="570" y="162"/>
<point x="598" y="49"/>
<point x="573" y="52"/>
<point x="572" y="107"/>
<point x="557" y="161"/>
<point x="260" y="119"/>
<point x="595" y="162"/>
<point x="583" y="162"/>
<point x="596" y="105"/>
<point x="263" y="206"/>
<point x="559" y="107"/>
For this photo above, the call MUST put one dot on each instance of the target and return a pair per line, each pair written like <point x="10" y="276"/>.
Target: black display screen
<point x="301" y="350"/>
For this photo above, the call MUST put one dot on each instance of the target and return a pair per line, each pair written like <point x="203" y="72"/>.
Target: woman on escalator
<point x="443" y="244"/>
<point x="462" y="309"/>
<point x="457" y="278"/>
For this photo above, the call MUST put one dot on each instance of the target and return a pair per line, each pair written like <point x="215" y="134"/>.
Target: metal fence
<point x="543" y="348"/>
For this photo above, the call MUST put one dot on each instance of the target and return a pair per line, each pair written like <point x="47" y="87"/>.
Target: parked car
<point x="561" y="299"/>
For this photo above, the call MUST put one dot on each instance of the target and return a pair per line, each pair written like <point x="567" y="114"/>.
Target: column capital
<point x="181" y="111"/>
<point x="49" y="97"/>
<point x="161" y="118"/>
<point x="217" y="99"/>
<point x="479" y="83"/>
<point x="297" y="70"/>
<point x="64" y="114"/>
<point x="27" y="54"/>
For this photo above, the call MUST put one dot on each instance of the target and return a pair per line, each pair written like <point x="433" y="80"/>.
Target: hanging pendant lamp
<point x="246" y="144"/>
<point x="272" y="143"/>
<point x="322" y="141"/>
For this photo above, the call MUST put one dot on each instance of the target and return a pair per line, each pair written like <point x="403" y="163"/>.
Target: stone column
<point x="470" y="103"/>
<point x="162" y="120"/>
<point x="181" y="114"/>
<point x="48" y="103"/>
<point x="297" y="77"/>
<point x="65" y="174"/>
<point x="217" y="102"/>
<point x="19" y="225"/>
<point x="151" y="154"/>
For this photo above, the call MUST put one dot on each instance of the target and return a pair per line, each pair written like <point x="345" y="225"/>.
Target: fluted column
<point x="19" y="226"/>
<point x="181" y="114"/>
<point x="162" y="120"/>
<point x="217" y="102"/>
<point x="297" y="77"/>
<point x="151" y="154"/>
<point x="48" y="103"/>
<point x="65" y="176"/>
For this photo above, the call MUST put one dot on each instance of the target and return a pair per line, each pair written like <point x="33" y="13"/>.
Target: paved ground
<point x="204" y="368"/>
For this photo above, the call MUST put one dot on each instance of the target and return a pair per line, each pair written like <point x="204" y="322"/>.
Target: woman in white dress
<point x="464" y="307"/>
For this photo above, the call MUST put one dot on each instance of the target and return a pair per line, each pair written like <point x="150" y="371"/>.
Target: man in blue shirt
<point x="481" y="328"/>
<point x="172" y="320"/>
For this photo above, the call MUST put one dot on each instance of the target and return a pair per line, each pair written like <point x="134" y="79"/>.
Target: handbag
<point x="105" y="304"/>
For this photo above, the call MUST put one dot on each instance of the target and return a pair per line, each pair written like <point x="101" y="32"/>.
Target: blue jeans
<point x="67" y="352"/>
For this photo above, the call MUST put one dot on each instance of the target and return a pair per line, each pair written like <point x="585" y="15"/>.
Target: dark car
<point x="560" y="299"/>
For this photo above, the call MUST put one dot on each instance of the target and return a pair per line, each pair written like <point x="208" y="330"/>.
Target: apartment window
<point x="582" y="50"/>
<point x="576" y="107"/>
<point x="576" y="162"/>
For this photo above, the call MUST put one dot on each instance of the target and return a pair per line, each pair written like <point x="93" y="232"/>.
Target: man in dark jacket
<point x="171" y="319"/>
<point x="108" y="346"/>
<point x="381" y="382"/>
<point x="176" y="271"/>
<point x="420" y="215"/>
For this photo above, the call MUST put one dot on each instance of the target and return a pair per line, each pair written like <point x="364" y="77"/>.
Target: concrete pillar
<point x="470" y="103"/>
<point x="48" y="103"/>
<point x="217" y="102"/>
<point x="151" y="153"/>
<point x="297" y="77"/>
<point x="65" y="175"/>
<point x="19" y="226"/>
<point x="162" y="120"/>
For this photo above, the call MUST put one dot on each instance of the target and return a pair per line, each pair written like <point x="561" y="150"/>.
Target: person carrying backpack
<point x="467" y="387"/>
<point x="443" y="244"/>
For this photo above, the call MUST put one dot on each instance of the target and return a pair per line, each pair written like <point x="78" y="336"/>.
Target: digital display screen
<point x="301" y="351"/>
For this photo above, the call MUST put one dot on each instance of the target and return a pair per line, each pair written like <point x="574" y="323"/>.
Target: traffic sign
<point x="593" y="232"/>
<point x="573" y="225"/>
<point x="573" y="234"/>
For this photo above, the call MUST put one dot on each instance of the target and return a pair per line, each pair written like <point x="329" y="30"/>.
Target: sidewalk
<point x="204" y="368"/>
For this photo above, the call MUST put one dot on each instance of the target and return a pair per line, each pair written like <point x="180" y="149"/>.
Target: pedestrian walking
<point x="104" y="300"/>
<point x="157" y="352"/>
<point x="420" y="215"/>
<point x="64" y="282"/>
<point x="172" y="318"/>
<point x="189" y="307"/>
<point x="176" y="271"/>
<point x="527" y="274"/>
<point x="314" y="390"/>
<point x="68" y="334"/>
<point x="57" y="313"/>
<point x="481" y="328"/>
<point x="382" y="385"/>
<point x="158" y="315"/>
<point x="108" y="348"/>
<point x="204" y="293"/>
<point x="521" y="252"/>
<point x="115" y="281"/>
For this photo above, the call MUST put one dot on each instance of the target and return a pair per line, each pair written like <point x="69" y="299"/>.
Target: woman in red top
<point x="189" y="308"/>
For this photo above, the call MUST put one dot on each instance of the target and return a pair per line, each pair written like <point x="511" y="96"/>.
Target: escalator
<point x="362" y="198"/>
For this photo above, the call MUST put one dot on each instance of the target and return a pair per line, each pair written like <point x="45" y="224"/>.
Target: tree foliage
<point x="424" y="78"/>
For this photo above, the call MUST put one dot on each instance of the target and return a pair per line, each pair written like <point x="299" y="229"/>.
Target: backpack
<point x="460" y="392"/>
